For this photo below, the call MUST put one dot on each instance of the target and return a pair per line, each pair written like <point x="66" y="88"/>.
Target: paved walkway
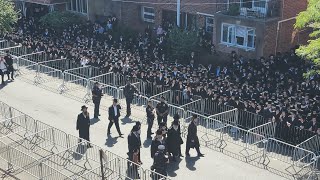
<point x="61" y="112"/>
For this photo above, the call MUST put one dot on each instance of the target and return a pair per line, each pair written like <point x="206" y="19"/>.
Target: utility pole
<point x="178" y="12"/>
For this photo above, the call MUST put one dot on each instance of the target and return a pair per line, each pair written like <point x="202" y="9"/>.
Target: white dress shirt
<point x="115" y="110"/>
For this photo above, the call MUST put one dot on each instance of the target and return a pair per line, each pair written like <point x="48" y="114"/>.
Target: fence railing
<point x="44" y="152"/>
<point x="238" y="133"/>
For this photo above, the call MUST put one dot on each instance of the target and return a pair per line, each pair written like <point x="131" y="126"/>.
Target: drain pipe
<point x="278" y="28"/>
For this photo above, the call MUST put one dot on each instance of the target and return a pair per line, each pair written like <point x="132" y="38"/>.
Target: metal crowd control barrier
<point x="43" y="152"/>
<point x="177" y="98"/>
<point x="4" y="44"/>
<point x="109" y="93"/>
<point x="35" y="57"/>
<point x="17" y="50"/>
<point x="252" y="142"/>
<point x="62" y="64"/>
<point x="74" y="86"/>
<point x="8" y="112"/>
<point x="48" y="77"/>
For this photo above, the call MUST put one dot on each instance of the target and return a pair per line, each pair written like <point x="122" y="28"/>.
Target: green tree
<point x="181" y="43"/>
<point x="61" y="20"/>
<point x="310" y="18"/>
<point x="8" y="16"/>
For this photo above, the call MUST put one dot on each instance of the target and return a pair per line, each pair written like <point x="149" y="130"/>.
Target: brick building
<point x="252" y="28"/>
<point x="258" y="28"/>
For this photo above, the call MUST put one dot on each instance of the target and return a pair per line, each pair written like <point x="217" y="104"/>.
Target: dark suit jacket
<point x="111" y="112"/>
<point x="134" y="142"/>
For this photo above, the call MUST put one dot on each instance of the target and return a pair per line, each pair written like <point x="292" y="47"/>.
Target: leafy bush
<point x="61" y="20"/>
<point x="181" y="43"/>
<point x="8" y="16"/>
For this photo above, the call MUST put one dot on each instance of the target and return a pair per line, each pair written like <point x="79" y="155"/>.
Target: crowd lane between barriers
<point x="48" y="153"/>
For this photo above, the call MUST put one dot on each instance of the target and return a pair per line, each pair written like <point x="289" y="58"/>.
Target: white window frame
<point x="257" y="8"/>
<point x="143" y="13"/>
<point x="79" y="6"/>
<point x="233" y="42"/>
<point x="211" y="25"/>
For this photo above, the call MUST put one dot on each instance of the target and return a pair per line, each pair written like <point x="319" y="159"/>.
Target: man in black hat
<point x="174" y="140"/>
<point x="162" y="111"/>
<point x="129" y="91"/>
<point x="96" y="98"/>
<point x="83" y="125"/>
<point x="158" y="140"/>
<point x="150" y="118"/>
<point x="192" y="137"/>
<point x="114" y="114"/>
<point x="9" y="60"/>
<point x="134" y="141"/>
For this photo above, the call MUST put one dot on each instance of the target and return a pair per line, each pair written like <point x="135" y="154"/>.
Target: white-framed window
<point x="80" y="6"/>
<point x="148" y="14"/>
<point x="255" y="5"/>
<point x="239" y="36"/>
<point x="209" y="24"/>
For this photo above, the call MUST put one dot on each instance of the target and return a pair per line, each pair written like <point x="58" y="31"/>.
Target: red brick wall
<point x="288" y="36"/>
<point x="291" y="8"/>
<point x="270" y="38"/>
<point x="131" y="12"/>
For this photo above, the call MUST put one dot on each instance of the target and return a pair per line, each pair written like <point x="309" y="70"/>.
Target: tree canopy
<point x="181" y="43"/>
<point x="310" y="18"/>
<point x="61" y="20"/>
<point x="8" y="16"/>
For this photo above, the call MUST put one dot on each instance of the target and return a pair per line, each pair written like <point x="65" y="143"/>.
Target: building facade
<point x="258" y="28"/>
<point x="252" y="28"/>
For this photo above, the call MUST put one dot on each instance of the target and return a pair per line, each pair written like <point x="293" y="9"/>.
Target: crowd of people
<point x="6" y="68"/>
<point x="273" y="87"/>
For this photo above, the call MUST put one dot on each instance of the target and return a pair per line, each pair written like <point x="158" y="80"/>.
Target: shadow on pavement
<point x="147" y="143"/>
<point x="80" y="151"/>
<point x="111" y="141"/>
<point x="94" y="120"/>
<point x="127" y="120"/>
<point x="172" y="167"/>
<point x="190" y="162"/>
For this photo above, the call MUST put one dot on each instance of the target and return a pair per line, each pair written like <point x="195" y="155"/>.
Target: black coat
<point x="134" y="142"/>
<point x="111" y="113"/>
<point x="174" y="141"/>
<point x="83" y="125"/>
<point x="192" y="135"/>
<point x="96" y="94"/>
<point x="154" y="146"/>
<point x="129" y="91"/>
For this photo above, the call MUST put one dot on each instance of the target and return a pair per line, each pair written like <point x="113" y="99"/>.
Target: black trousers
<point x="116" y="122"/>
<point x="128" y="101"/>
<point x="10" y="70"/>
<point x="197" y="149"/>
<point x="2" y="75"/>
<point x="96" y="103"/>
<point x="150" y="124"/>
<point x="162" y="119"/>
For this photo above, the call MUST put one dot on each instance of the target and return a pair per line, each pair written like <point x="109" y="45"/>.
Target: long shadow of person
<point x="147" y="143"/>
<point x="190" y="162"/>
<point x="172" y="167"/>
<point x="126" y="120"/>
<point x="80" y="151"/>
<point x="94" y="120"/>
<point x="111" y="141"/>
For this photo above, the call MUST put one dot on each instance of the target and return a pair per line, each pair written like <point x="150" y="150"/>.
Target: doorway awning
<point x="46" y="2"/>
